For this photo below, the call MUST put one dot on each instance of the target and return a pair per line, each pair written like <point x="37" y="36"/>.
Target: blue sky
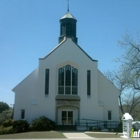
<point x="29" y="29"/>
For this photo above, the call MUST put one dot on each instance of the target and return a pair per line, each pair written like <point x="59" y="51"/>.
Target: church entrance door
<point x="67" y="117"/>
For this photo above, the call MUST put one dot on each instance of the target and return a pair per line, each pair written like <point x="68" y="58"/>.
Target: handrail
<point x="96" y="123"/>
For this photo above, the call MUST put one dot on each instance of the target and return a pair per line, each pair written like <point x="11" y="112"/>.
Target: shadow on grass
<point x="101" y="135"/>
<point x="33" y="135"/>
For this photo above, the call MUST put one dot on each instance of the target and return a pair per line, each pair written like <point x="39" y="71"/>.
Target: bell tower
<point x="68" y="26"/>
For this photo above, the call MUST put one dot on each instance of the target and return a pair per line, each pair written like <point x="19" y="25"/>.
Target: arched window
<point x="68" y="80"/>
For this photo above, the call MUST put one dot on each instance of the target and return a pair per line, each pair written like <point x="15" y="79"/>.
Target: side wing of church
<point x="67" y="85"/>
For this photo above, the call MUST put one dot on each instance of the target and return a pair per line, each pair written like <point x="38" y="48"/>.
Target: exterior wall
<point x="69" y="53"/>
<point x="25" y="96"/>
<point x="108" y="94"/>
<point x="30" y="93"/>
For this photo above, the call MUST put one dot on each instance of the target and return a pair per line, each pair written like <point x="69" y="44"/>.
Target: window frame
<point x="47" y="78"/>
<point x="22" y="114"/>
<point x="69" y="88"/>
<point x="109" y="115"/>
<point x="88" y="82"/>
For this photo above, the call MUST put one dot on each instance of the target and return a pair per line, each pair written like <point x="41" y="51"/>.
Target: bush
<point x="20" y="126"/>
<point x="119" y="128"/>
<point x="42" y="124"/>
<point x="6" y="130"/>
<point x="7" y="123"/>
<point x="3" y="107"/>
<point x="5" y="115"/>
<point x="90" y="128"/>
<point x="99" y="129"/>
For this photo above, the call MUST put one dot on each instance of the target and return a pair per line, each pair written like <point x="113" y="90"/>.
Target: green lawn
<point x="54" y="134"/>
<point x="33" y="135"/>
<point x="104" y="135"/>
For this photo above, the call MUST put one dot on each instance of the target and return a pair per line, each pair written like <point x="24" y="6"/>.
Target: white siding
<point x="30" y="93"/>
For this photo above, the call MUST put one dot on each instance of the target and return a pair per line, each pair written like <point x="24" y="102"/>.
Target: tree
<point x="3" y="107"/>
<point x="119" y="82"/>
<point x="130" y="61"/>
<point x="127" y="77"/>
<point x="5" y="115"/>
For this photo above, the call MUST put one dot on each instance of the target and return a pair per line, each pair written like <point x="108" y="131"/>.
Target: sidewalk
<point x="84" y="136"/>
<point x="76" y="135"/>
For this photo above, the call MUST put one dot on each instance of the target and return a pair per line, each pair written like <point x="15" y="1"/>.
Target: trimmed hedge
<point x="43" y="124"/>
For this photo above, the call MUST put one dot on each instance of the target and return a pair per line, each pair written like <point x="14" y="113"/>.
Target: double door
<point x="67" y="117"/>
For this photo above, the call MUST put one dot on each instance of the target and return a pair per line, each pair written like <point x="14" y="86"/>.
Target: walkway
<point x="77" y="135"/>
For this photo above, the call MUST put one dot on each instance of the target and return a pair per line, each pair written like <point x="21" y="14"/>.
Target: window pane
<point x="70" y="117"/>
<point x="64" y="117"/>
<point x="47" y="82"/>
<point x="68" y="75"/>
<point x="74" y="77"/>
<point x="109" y="115"/>
<point x="74" y="90"/>
<point x="70" y="113"/>
<point x="67" y="90"/>
<point x="22" y="114"/>
<point x="61" y="77"/>
<point x="88" y="82"/>
<point x="64" y="114"/>
<point x="60" y="90"/>
<point x="69" y="29"/>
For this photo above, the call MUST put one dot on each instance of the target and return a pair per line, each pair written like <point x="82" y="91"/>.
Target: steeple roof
<point x="68" y="15"/>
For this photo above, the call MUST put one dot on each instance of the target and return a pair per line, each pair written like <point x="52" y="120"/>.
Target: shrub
<point x="119" y="128"/>
<point x="5" y="115"/>
<point x="7" y="123"/>
<point x="6" y="130"/>
<point x="95" y="129"/>
<point x="99" y="129"/>
<point x="43" y="124"/>
<point x="20" y="126"/>
<point x="90" y="128"/>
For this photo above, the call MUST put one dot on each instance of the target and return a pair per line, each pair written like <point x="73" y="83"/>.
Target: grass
<point x="104" y="135"/>
<point x="54" y="134"/>
<point x="33" y="135"/>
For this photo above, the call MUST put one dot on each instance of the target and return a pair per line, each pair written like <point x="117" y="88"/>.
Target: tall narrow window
<point x="88" y="82"/>
<point x="74" y="81"/>
<point x="47" y="82"/>
<point x="68" y="80"/>
<point x="61" y="81"/>
<point x="109" y="115"/>
<point x="22" y="114"/>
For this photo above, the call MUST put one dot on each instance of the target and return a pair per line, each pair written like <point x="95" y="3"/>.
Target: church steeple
<point x="68" y="26"/>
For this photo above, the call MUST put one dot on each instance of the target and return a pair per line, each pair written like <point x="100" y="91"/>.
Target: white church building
<point x="67" y="85"/>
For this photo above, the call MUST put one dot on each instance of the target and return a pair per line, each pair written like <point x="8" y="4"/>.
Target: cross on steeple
<point x="67" y="5"/>
<point x="68" y="26"/>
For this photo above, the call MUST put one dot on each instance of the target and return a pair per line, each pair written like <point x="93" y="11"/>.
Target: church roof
<point x="68" y="15"/>
<point x="61" y="44"/>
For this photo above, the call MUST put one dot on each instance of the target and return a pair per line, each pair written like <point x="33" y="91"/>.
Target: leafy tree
<point x="3" y="107"/>
<point x="5" y="115"/>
